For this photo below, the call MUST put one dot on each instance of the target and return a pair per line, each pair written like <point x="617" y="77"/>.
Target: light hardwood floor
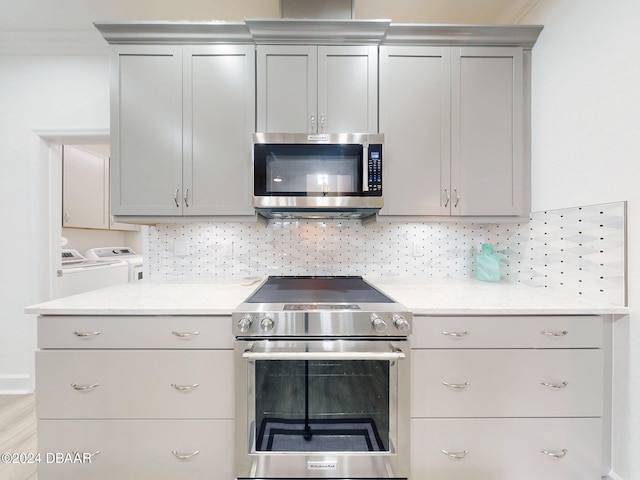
<point x="18" y="435"/>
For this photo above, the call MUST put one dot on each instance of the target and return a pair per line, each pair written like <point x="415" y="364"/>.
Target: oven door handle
<point x="395" y="354"/>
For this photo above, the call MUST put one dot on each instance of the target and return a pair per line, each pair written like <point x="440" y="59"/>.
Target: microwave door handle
<point x="365" y="167"/>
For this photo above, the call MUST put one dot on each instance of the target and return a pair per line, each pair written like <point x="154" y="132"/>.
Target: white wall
<point x="36" y="92"/>
<point x="586" y="110"/>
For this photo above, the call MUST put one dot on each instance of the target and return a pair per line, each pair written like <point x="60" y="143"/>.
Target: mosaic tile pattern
<point x="580" y="250"/>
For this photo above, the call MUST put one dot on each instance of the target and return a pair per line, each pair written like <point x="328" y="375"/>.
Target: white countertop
<point x="199" y="296"/>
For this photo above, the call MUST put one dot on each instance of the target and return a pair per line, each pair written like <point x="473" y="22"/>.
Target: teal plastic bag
<point x="487" y="264"/>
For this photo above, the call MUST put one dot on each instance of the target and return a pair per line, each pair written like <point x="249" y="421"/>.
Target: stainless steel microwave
<point x="317" y="176"/>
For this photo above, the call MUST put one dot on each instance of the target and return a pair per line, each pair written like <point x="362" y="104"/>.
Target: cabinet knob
<point x="84" y="388"/>
<point x="456" y="386"/>
<point x="555" y="385"/>
<point x="456" y="334"/>
<point x="555" y="454"/>
<point x="550" y="333"/>
<point x="185" y="334"/>
<point x="456" y="455"/>
<point x="184" y="456"/>
<point x="184" y="388"/>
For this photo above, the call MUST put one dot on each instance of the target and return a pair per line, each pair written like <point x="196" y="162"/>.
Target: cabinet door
<point x="146" y="130"/>
<point x="507" y="383"/>
<point x="414" y="117"/>
<point x="347" y="89"/>
<point x="136" y="449"/>
<point x="487" y="131"/>
<point x="134" y="384"/>
<point x="219" y="117"/>
<point x="506" y="449"/>
<point x="287" y="88"/>
<point x="84" y="189"/>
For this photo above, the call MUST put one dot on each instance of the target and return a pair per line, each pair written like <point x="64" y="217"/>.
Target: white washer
<point x="125" y="254"/>
<point x="79" y="275"/>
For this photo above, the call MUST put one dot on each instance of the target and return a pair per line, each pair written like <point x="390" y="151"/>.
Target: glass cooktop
<point x="312" y="289"/>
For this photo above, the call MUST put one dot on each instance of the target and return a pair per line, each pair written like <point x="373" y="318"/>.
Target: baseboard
<point x="16" y="384"/>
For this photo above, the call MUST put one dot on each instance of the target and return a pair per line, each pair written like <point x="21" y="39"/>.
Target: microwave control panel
<point x="375" y="169"/>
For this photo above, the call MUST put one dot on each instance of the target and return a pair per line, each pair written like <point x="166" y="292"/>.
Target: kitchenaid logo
<point x="324" y="465"/>
<point x="318" y="138"/>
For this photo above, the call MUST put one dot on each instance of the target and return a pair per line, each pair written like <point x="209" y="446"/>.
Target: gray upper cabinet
<point x="146" y="130"/>
<point x="219" y="118"/>
<point x="454" y="132"/>
<point x="317" y="89"/>
<point x="456" y="121"/>
<point x="182" y="118"/>
<point x="487" y="157"/>
<point x="415" y="98"/>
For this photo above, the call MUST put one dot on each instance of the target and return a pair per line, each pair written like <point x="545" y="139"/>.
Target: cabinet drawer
<point x="138" y="449"/>
<point x="506" y="383"/>
<point x="134" y="384"/>
<point x="506" y="449"/>
<point x="508" y="332"/>
<point x="134" y="332"/>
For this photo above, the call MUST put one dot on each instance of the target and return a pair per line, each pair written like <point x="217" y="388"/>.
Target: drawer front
<point x="137" y="449"/>
<point x="506" y="383"/>
<point x="506" y="449"/>
<point x="134" y="384"/>
<point x="508" y="332"/>
<point x="134" y="332"/>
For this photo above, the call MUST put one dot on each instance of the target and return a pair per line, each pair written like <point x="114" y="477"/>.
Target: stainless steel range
<point x="322" y="381"/>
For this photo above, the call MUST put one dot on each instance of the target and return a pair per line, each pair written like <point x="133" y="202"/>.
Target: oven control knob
<point x="244" y="324"/>
<point x="266" y="324"/>
<point x="400" y="322"/>
<point x="377" y="323"/>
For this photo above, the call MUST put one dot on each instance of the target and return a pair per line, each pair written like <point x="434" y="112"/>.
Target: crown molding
<point x="453" y="35"/>
<point x="314" y="32"/>
<point x="176" y="33"/>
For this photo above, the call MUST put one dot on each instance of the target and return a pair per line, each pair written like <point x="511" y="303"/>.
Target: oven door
<point x="322" y="409"/>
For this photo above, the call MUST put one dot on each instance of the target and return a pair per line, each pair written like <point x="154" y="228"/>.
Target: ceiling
<point x="45" y="15"/>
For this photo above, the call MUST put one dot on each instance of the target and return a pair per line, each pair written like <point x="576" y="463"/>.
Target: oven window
<point x="322" y="405"/>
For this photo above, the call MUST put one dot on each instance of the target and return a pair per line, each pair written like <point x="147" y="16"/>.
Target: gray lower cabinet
<point x="136" y="397"/>
<point x="455" y="131"/>
<point x="317" y="89"/>
<point x="181" y="124"/>
<point x="505" y="397"/>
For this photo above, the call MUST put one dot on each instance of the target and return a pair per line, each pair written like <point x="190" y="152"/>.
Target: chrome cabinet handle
<point x="556" y="454"/>
<point x="456" y="334"/>
<point x="175" y="197"/>
<point x="185" y="197"/>
<point x="447" y="197"/>
<point x="184" y="456"/>
<point x="321" y="124"/>
<point x="555" y="385"/>
<point x="313" y="124"/>
<point x="86" y="334"/>
<point x="549" y="333"/>
<point x="66" y="217"/>
<point x="457" y="195"/>
<point x="185" y="334"/>
<point x="183" y="388"/>
<point x="82" y="388"/>
<point x="456" y="386"/>
<point x="456" y="455"/>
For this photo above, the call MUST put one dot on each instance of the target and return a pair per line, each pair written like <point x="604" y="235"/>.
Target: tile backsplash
<point x="580" y="250"/>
